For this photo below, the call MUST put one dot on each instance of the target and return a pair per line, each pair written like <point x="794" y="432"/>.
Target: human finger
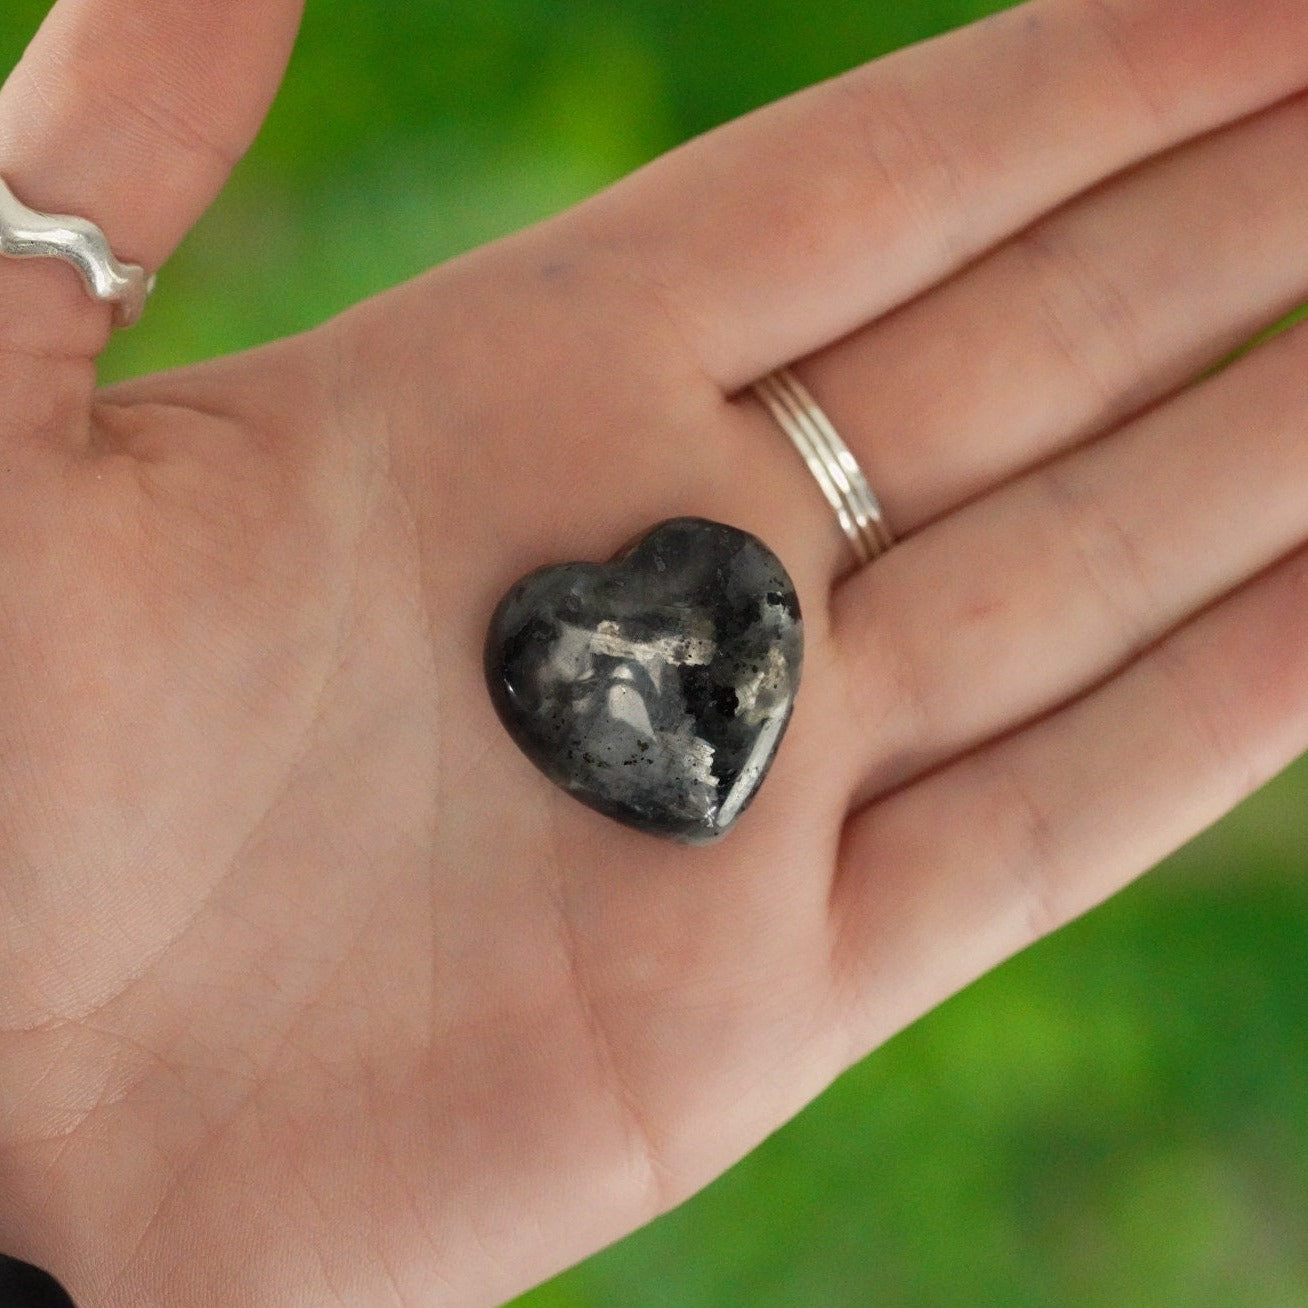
<point x="1025" y="599"/>
<point x="1100" y="309"/>
<point x="948" y="877"/>
<point x="777" y="234"/>
<point x="130" y="113"/>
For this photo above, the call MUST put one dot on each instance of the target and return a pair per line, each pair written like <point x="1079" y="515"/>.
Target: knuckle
<point x="1034" y="853"/>
<point x="1090" y="321"/>
<point x="902" y="157"/>
<point x="1208" y="724"/>
<point x="1105" y="553"/>
<point x="163" y="120"/>
<point x="1117" y="30"/>
<point x="888" y="692"/>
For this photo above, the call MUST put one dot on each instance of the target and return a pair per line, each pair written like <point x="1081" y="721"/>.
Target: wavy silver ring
<point x="27" y="234"/>
<point x="829" y="460"/>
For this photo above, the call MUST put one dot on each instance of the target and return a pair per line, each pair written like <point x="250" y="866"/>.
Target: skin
<point x="312" y="990"/>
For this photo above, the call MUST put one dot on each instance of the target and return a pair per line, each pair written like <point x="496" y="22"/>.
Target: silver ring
<point x="27" y="234"/>
<point x="836" y="470"/>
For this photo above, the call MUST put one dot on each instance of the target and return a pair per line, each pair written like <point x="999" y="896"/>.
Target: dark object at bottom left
<point x="25" y="1286"/>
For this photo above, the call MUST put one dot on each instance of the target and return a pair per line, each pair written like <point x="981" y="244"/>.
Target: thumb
<point x="130" y="113"/>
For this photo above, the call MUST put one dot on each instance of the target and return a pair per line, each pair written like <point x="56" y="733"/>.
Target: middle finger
<point x="1100" y="309"/>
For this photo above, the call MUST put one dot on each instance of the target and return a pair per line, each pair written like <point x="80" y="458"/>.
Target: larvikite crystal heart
<point x="655" y="687"/>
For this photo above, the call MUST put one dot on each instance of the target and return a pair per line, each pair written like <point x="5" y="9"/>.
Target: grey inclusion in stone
<point x="655" y="687"/>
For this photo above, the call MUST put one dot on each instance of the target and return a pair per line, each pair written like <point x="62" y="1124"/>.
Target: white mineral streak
<point x="684" y="649"/>
<point x="765" y="693"/>
<point x="626" y="705"/>
<point x="747" y="781"/>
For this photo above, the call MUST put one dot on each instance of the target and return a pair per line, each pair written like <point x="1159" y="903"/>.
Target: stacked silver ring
<point x="829" y="460"/>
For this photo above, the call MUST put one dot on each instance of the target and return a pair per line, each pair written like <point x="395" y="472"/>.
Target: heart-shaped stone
<point x="655" y="687"/>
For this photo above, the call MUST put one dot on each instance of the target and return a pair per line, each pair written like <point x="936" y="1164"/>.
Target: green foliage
<point x="1116" y="1117"/>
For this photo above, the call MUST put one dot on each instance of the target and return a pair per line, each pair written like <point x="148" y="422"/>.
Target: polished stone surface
<point x="655" y="687"/>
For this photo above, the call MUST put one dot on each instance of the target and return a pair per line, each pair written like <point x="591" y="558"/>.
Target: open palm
<point x="312" y="990"/>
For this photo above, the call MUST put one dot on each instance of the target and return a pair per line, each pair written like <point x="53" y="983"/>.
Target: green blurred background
<point x="1119" y="1117"/>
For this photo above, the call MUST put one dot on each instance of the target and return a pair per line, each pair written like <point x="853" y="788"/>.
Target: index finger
<point x="777" y="234"/>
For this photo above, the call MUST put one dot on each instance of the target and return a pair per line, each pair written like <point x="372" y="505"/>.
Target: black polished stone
<point x="655" y="687"/>
<point x="25" y="1286"/>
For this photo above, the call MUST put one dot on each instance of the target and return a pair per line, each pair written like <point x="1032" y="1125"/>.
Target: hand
<point x="312" y="990"/>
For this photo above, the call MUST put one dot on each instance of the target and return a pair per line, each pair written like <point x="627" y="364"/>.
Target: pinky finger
<point x="948" y="877"/>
